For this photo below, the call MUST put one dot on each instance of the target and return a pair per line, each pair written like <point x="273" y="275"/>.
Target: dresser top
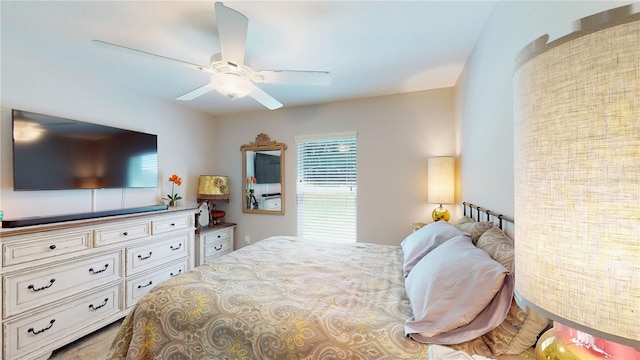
<point x="6" y="232"/>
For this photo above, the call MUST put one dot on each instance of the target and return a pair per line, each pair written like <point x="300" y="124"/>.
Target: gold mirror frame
<point x="274" y="192"/>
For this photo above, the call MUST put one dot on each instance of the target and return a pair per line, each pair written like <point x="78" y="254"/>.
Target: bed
<point x="289" y="298"/>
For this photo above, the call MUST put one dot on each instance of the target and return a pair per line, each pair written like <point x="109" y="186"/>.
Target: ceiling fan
<point x="230" y="76"/>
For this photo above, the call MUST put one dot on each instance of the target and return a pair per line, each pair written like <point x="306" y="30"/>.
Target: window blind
<point x="326" y="187"/>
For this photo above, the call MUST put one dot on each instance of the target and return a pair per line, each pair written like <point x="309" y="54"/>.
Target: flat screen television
<point x="53" y="153"/>
<point x="267" y="168"/>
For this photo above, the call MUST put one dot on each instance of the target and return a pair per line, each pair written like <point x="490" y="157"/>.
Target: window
<point x="326" y="187"/>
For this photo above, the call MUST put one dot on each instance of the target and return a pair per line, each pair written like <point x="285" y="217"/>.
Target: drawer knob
<point x="173" y="224"/>
<point x="36" y="332"/>
<point x="125" y="233"/>
<point x="144" y="286"/>
<point x="99" y="306"/>
<point x="179" y="272"/>
<point x="219" y="247"/>
<point x="32" y="287"/>
<point x="99" y="271"/>
<point x="176" y="248"/>
<point x="52" y="247"/>
<point x="144" y="257"/>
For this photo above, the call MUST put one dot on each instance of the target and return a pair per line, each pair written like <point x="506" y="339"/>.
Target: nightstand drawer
<point x="55" y="323"/>
<point x="36" y="288"/>
<point x="141" y="285"/>
<point x="110" y="235"/>
<point x="145" y="257"/>
<point x="217" y="247"/>
<point x="171" y="223"/>
<point x="46" y="247"/>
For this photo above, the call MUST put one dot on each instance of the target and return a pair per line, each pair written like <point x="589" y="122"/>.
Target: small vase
<point x="173" y="203"/>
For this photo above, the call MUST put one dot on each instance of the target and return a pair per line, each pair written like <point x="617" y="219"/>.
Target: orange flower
<point x="173" y="197"/>
<point x="253" y="179"/>
<point x="176" y="179"/>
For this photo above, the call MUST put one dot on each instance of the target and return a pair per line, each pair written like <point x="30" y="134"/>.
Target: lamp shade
<point x="577" y="176"/>
<point x="440" y="172"/>
<point x="213" y="187"/>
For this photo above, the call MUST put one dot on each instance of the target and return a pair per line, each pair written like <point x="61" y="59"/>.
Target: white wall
<point x="31" y="84"/>
<point x="484" y="94"/>
<point x="396" y="135"/>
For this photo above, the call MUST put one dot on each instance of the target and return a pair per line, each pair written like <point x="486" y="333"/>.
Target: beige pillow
<point x="517" y="332"/>
<point x="499" y="246"/>
<point x="475" y="228"/>
<point x="520" y="328"/>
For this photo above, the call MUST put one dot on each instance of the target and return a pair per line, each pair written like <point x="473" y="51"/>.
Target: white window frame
<point x="327" y="210"/>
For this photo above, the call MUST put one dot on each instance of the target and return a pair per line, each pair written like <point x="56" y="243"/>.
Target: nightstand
<point x="214" y="241"/>
<point x="417" y="225"/>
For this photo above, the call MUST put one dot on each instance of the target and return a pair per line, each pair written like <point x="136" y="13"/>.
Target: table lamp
<point x="577" y="186"/>
<point x="440" y="189"/>
<point x="214" y="189"/>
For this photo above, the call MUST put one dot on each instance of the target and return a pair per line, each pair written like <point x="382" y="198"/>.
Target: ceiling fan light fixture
<point x="231" y="85"/>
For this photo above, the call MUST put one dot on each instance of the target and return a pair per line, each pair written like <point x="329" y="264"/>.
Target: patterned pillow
<point x="517" y="333"/>
<point x="475" y="228"/>
<point x="500" y="247"/>
<point x="520" y="328"/>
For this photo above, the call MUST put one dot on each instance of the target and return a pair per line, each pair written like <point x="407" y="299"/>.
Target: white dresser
<point x="65" y="280"/>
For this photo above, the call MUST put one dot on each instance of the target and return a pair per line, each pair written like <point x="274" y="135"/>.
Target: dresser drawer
<point x="36" y="288"/>
<point x="125" y="232"/>
<point x="48" y="246"/>
<point x="171" y="223"/>
<point x="145" y="257"/>
<point x="48" y="326"/>
<point x="141" y="285"/>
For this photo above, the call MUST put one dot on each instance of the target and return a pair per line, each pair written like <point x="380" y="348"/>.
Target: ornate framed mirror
<point x="263" y="174"/>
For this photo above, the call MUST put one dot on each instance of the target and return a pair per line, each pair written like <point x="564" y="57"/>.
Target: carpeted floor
<point x="91" y="347"/>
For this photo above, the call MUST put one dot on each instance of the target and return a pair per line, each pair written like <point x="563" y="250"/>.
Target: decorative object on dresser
<point x="64" y="280"/>
<point x="263" y="169"/>
<point x="212" y="189"/>
<point x="577" y="192"/>
<point x="214" y="241"/>
<point x="441" y="185"/>
<point x="174" y="197"/>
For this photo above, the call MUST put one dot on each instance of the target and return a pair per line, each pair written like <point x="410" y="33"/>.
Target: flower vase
<point x="173" y="203"/>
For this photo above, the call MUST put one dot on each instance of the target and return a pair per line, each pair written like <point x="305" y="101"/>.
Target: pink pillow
<point x="424" y="240"/>
<point x="457" y="294"/>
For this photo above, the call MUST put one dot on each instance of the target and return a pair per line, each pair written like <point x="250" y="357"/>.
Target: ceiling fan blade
<point x="129" y="50"/>
<point x="232" y="30"/>
<point x="317" y="78"/>
<point x="196" y="92"/>
<point x="265" y="99"/>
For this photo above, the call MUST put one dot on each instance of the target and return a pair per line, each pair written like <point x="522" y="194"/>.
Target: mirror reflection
<point x="263" y="171"/>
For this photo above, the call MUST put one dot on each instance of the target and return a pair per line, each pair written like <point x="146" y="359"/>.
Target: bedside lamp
<point x="213" y="189"/>
<point x="440" y="189"/>
<point x="577" y="186"/>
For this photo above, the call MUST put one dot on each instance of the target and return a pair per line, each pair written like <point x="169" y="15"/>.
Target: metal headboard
<point x="488" y="212"/>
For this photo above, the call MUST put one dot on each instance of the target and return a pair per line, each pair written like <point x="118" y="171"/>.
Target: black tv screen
<point x="53" y="153"/>
<point x="267" y="168"/>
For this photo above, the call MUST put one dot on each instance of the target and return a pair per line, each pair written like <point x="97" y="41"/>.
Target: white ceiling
<point x="371" y="48"/>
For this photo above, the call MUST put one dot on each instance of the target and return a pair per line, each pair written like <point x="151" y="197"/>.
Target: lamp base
<point x="564" y="343"/>
<point x="440" y="213"/>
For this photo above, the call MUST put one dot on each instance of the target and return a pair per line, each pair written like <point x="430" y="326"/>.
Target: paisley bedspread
<point x="280" y="298"/>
